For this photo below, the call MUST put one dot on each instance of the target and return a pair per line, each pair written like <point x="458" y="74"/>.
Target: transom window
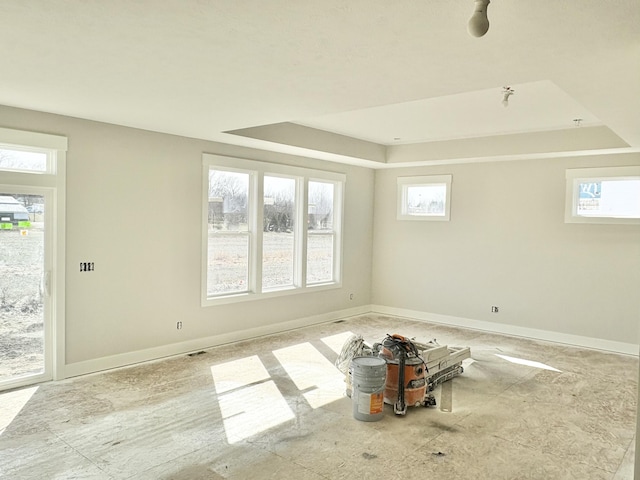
<point x="268" y="229"/>
<point x="27" y="152"/>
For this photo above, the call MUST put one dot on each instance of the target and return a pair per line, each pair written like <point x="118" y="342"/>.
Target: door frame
<point x="51" y="184"/>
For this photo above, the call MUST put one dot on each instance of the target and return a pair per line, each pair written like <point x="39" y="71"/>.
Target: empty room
<point x="319" y="240"/>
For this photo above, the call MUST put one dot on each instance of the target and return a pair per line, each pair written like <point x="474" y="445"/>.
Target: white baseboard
<point x="163" y="351"/>
<point x="514" y="330"/>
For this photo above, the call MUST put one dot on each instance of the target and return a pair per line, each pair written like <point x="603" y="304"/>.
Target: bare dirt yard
<point x="21" y="324"/>
<point x="229" y="260"/>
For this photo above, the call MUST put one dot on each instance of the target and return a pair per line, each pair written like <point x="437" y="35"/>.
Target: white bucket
<point x="368" y="376"/>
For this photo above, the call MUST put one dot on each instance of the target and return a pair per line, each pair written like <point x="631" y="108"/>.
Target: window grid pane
<point x="426" y="199"/>
<point x="278" y="240"/>
<point x="609" y="198"/>
<point x="228" y="263"/>
<point x="22" y="161"/>
<point x="320" y="257"/>
<point x="320" y="233"/>
<point x="229" y="235"/>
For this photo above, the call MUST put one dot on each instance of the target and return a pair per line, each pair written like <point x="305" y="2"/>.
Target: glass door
<point x="25" y="337"/>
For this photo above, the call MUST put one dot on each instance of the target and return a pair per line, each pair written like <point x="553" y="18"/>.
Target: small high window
<point x="424" y="198"/>
<point x="603" y="195"/>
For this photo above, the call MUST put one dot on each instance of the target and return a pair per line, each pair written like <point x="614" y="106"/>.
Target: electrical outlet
<point x="179" y="325"/>
<point x="494" y="309"/>
<point x="351" y="296"/>
<point x="86" y="266"/>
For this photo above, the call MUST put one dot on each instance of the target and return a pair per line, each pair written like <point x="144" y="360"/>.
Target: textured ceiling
<point x="402" y="82"/>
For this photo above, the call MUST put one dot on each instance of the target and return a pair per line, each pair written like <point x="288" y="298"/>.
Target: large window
<point x="268" y="229"/>
<point x="603" y="195"/>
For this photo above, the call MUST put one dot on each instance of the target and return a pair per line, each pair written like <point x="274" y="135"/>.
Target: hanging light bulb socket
<point x="506" y="93"/>
<point x="479" y="22"/>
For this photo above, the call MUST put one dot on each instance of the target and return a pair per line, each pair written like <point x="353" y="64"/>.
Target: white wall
<point x="507" y="245"/>
<point x="134" y="208"/>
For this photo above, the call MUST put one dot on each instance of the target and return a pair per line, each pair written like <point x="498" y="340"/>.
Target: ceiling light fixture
<point x="506" y="93"/>
<point x="479" y="22"/>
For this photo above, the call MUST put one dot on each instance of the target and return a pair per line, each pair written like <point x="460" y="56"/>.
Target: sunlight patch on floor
<point x="528" y="363"/>
<point x="336" y="342"/>
<point x="11" y="403"/>
<point x="311" y="371"/>
<point x="252" y="410"/>
<point x="249" y="399"/>
<point x="238" y="373"/>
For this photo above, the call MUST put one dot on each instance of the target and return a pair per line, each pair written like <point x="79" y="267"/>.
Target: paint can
<point x="368" y="377"/>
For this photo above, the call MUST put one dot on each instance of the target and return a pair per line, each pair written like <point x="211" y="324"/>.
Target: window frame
<point x="252" y="188"/>
<point x="297" y="277"/>
<point x="404" y="183"/>
<point x="258" y="170"/>
<point x="576" y="176"/>
<point x="338" y="193"/>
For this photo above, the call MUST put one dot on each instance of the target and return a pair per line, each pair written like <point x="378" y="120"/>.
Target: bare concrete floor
<point x="274" y="408"/>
